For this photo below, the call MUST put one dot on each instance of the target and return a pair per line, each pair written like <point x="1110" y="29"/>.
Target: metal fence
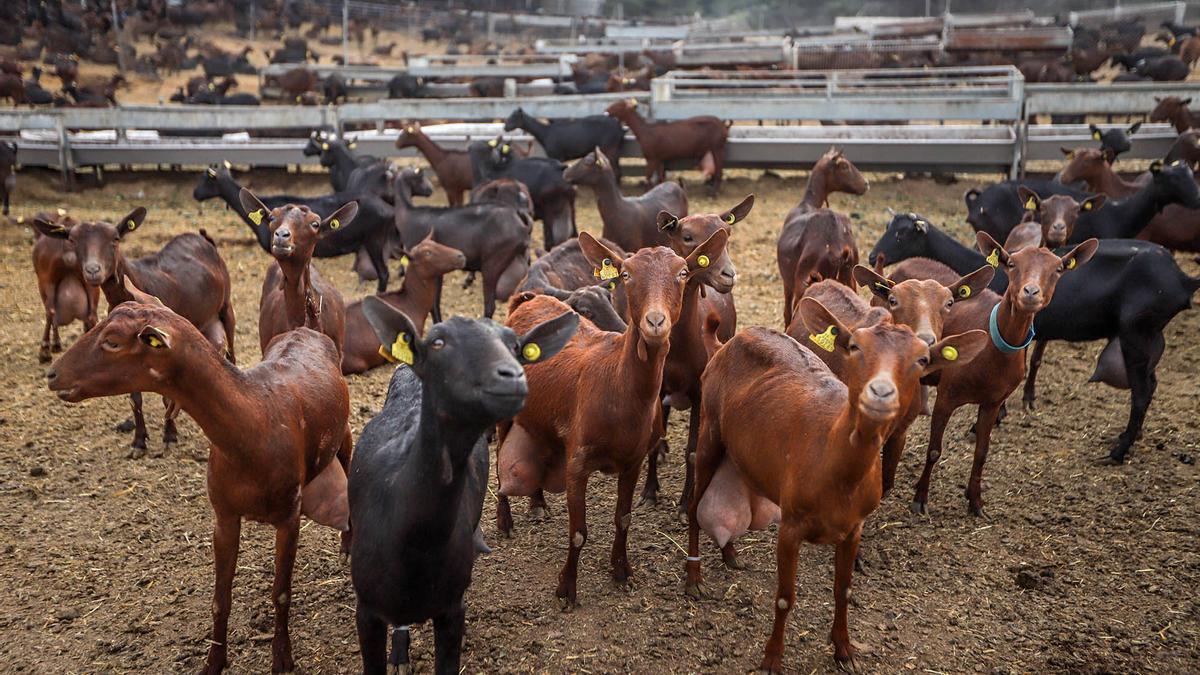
<point x="1151" y="13"/>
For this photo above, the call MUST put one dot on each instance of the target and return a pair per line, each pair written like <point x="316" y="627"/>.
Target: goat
<point x="65" y="296"/>
<point x="631" y="222"/>
<point x="427" y="262"/>
<point x="274" y="431"/>
<point x="782" y="437"/>
<point x="816" y="242"/>
<point x="420" y="472"/>
<point x="453" y="167"/>
<point x="8" y="171"/>
<point x="568" y="139"/>
<point x="1175" y="110"/>
<point x="565" y="432"/>
<point x="493" y="237"/>
<point x="294" y="293"/>
<point x="1115" y="140"/>
<point x="700" y="138"/>
<point x="553" y="197"/>
<point x="187" y="274"/>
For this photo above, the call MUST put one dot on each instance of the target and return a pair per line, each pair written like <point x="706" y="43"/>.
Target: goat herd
<point x="604" y="336"/>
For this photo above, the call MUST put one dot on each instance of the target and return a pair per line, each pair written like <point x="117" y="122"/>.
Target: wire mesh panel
<point x="848" y="53"/>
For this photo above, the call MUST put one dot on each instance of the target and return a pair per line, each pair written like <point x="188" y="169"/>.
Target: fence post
<point x="65" y="161"/>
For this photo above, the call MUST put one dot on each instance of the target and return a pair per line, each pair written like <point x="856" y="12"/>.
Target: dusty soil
<point x="1078" y="567"/>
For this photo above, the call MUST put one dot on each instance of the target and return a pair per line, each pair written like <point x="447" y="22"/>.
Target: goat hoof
<point x="976" y="510"/>
<point x="695" y="591"/>
<point x="136" y="451"/>
<point x="44" y="356"/>
<point x="126" y="426"/>
<point x="159" y="453"/>
<point x="537" y="514"/>
<point x="846" y="665"/>
<point x="1029" y="403"/>
<point x="650" y="498"/>
<point x="56" y="348"/>
<point x="919" y="508"/>
<point x="566" y="605"/>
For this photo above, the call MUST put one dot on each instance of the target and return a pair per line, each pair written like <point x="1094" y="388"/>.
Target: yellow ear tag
<point x="1031" y="204"/>
<point x="532" y="352"/>
<point x="212" y="173"/>
<point x="964" y="291"/>
<point x="994" y="258"/>
<point x="410" y="130"/>
<point x="1071" y="264"/>
<point x="600" y="161"/>
<point x="504" y="149"/>
<point x="492" y="143"/>
<point x="255" y="216"/>
<point x="154" y="341"/>
<point x="404" y="261"/>
<point x="131" y="224"/>
<point x="825" y="340"/>
<point x="20" y="220"/>
<point x="353" y="145"/>
<point x="702" y="261"/>
<point x="324" y="146"/>
<point x="401" y="351"/>
<point x="730" y="218"/>
<point x="228" y="165"/>
<point x="1096" y="135"/>
<point x="1087" y="206"/>
<point x="62" y="212"/>
<point x="335" y="224"/>
<point x="949" y="353"/>
<point x="607" y="270"/>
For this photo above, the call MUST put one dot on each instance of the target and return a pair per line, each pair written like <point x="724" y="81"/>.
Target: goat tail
<point x="204" y="233"/>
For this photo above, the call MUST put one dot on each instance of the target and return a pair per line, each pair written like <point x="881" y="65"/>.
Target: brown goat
<point x="296" y="82"/>
<point x="65" y="296"/>
<point x="779" y="429"/>
<point x="596" y="407"/>
<point x="274" y="431"/>
<point x="704" y="318"/>
<point x="1033" y="274"/>
<point x="1094" y="167"/>
<point x="453" y="167"/>
<point x="816" y="242"/>
<point x="12" y="87"/>
<point x="701" y="138"/>
<point x="1174" y="110"/>
<point x="632" y="222"/>
<point x="1050" y="221"/>
<point x="187" y="274"/>
<point x="294" y="293"/>
<point x="428" y="261"/>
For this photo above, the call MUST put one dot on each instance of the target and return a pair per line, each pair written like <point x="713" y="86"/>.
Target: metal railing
<point x="1152" y="13"/>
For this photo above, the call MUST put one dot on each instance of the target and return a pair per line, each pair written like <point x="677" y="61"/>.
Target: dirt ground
<point x="107" y="561"/>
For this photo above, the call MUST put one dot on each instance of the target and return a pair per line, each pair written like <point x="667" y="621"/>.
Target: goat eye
<point x="688" y="238"/>
<point x="949" y="304"/>
<point x="853" y="348"/>
<point x="110" y="345"/>
<point x="437" y="344"/>
<point x="683" y="273"/>
<point x="625" y="276"/>
<point x="923" y="362"/>
<point x="893" y="301"/>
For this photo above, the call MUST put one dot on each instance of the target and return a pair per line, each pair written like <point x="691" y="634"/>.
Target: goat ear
<point x="340" y="218"/>
<point x="1067" y="152"/>
<point x="1108" y="155"/>
<point x="1133" y="129"/>
<point x="955" y="350"/>
<point x="139" y="295"/>
<point x="556" y="293"/>
<point x="667" y="222"/>
<point x="605" y="263"/>
<point x="396" y="332"/>
<point x="1080" y="254"/>
<point x="1096" y="133"/>
<point x="155" y="338"/>
<point x="1029" y="199"/>
<point x="255" y="210"/>
<point x="739" y="212"/>
<point x="1092" y="203"/>
<point x="709" y="252"/>
<point x="879" y="285"/>
<point x="50" y="229"/>
<point x="827" y="331"/>
<point x="996" y="255"/>
<point x="1186" y="101"/>
<point x="970" y="285"/>
<point x="131" y="221"/>
<point x="547" y="338"/>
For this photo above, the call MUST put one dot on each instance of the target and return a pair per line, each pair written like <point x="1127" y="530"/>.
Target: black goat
<point x="1130" y="290"/>
<point x="569" y="139"/>
<point x="553" y="197"/>
<point x="493" y="237"/>
<point x="997" y="208"/>
<point x="420" y="471"/>
<point x="1115" y="139"/>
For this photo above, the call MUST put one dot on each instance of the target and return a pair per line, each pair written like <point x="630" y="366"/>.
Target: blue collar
<point x="998" y="340"/>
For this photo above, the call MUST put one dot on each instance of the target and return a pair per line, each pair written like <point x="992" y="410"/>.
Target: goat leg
<point x="138" y="446"/>
<point x="847" y="552"/>
<point x="1029" y="397"/>
<point x="398" y="660"/>
<point x="448" y="631"/>
<point x="577" y="479"/>
<point x="226" y="533"/>
<point x="44" y="352"/>
<point x="983" y="436"/>
<point x="787" y="554"/>
<point x="372" y="641"/>
<point x="937" y="431"/>
<point x="287" y="536"/>
<point x="622" y="519"/>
